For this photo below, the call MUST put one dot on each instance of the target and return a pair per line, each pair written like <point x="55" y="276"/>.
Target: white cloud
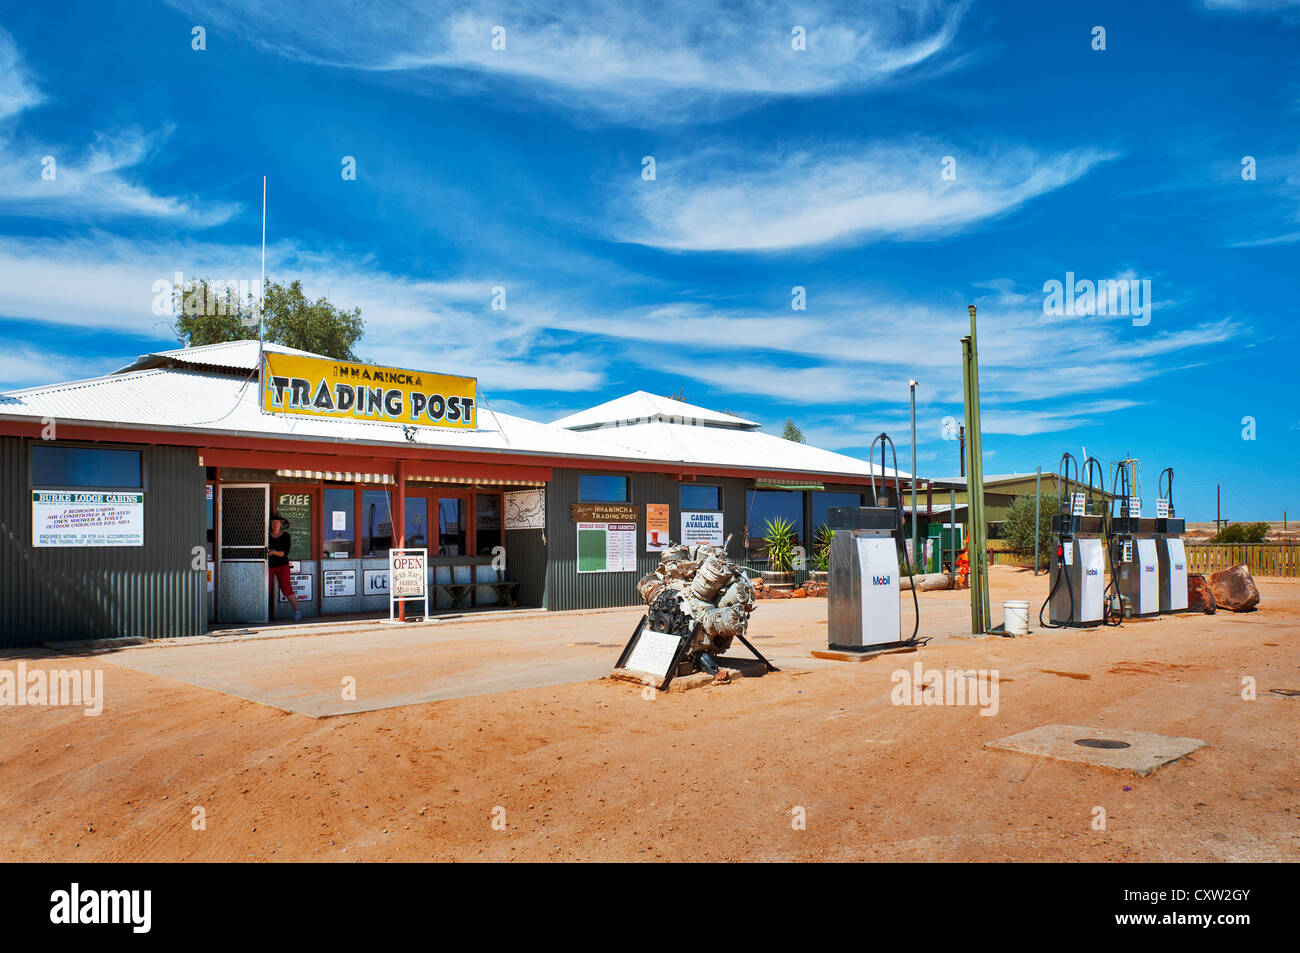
<point x="22" y="365"/>
<point x="18" y="90"/>
<point x="105" y="282"/>
<point x="731" y="200"/>
<point x="646" y="57"/>
<point x="1250" y="5"/>
<point x="96" y="183"/>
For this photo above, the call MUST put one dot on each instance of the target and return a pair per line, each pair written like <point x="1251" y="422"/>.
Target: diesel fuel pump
<point x="1076" y="555"/>
<point x="1133" y="550"/>
<point x="1170" y="551"/>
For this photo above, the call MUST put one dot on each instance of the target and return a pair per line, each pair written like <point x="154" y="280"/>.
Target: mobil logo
<point x="1149" y="567"/>
<point x="1093" y="572"/>
<point x="1178" y="567"/>
<point x="880" y="580"/>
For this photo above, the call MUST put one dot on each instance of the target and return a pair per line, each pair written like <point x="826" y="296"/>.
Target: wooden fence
<point x="1262" y="559"/>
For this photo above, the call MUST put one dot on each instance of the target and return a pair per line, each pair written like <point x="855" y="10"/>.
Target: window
<point x="700" y="498"/>
<point x="487" y="522"/>
<point x="602" y="488"/>
<point x="56" y="466"/>
<point x="339" y="530"/>
<point x="763" y="505"/>
<point x="821" y="502"/>
<point x="376" y="523"/>
<point x="451" y="526"/>
<point x="417" y="522"/>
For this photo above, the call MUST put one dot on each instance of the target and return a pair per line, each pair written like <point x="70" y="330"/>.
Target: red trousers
<point x="281" y="573"/>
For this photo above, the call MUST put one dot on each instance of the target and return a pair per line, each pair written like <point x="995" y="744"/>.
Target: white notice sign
<point x="653" y="653"/>
<point x="301" y="583"/>
<point x="1162" y="509"/>
<point x="1080" y="505"/>
<point x="339" y="582"/>
<point x="702" y="527"/>
<point x="606" y="547"/>
<point x="80" y="518"/>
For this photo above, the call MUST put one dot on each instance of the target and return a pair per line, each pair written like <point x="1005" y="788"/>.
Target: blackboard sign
<point x="297" y="509"/>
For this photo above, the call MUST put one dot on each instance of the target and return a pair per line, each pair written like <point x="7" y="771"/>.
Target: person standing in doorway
<point x="277" y="560"/>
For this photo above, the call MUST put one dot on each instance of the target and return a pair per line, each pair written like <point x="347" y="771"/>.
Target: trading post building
<point x="137" y="504"/>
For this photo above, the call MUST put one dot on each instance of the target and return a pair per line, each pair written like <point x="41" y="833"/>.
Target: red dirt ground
<point x="591" y="771"/>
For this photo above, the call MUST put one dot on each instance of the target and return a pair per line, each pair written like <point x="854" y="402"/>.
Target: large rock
<point x="1199" y="596"/>
<point x="1234" y="589"/>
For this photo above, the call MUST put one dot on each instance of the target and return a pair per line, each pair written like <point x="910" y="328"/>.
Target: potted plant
<point x="778" y="546"/>
<point x="822" y="552"/>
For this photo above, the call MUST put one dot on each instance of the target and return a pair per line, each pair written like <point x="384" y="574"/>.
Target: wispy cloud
<point x="106" y="283"/>
<point x="97" y="182"/>
<point x="648" y="57"/>
<point x="18" y="89"/>
<point x="94" y="182"/>
<point x="726" y="199"/>
<point x="1251" y="6"/>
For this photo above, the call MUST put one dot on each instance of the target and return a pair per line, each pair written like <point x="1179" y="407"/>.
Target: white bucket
<point x="1015" y="617"/>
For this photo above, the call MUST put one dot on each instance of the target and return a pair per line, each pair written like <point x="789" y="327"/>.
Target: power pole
<point x="977" y="548"/>
<point x="911" y="385"/>
<point x="1217" y="527"/>
<point x="1038" y="501"/>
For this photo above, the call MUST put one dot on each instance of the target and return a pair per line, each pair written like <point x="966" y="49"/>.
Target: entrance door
<point x="242" y="536"/>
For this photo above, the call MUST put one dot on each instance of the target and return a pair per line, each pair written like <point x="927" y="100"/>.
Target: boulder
<point x="1234" y="589"/>
<point x="1199" y="596"/>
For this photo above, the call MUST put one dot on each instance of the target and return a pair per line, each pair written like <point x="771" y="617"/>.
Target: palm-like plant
<point x="822" y="548"/>
<point x="778" y="544"/>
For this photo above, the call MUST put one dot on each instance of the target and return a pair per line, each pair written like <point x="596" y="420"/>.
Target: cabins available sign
<point x="80" y="518"/>
<point x="702" y="528"/>
<point x="320" y="387"/>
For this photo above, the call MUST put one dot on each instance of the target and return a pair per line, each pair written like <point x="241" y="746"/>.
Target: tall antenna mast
<point x="261" y="297"/>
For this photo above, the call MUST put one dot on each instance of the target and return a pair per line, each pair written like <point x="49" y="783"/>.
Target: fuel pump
<point x="862" y="610"/>
<point x="1133" y="550"/>
<point x="1169" y="547"/>
<point x="1075" y="558"/>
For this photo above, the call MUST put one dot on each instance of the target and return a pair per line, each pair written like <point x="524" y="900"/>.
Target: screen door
<point x="242" y="536"/>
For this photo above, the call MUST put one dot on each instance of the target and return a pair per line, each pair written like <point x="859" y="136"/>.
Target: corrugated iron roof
<point x="187" y="392"/>
<point x="752" y="450"/>
<point x="236" y="355"/>
<point x="643" y="407"/>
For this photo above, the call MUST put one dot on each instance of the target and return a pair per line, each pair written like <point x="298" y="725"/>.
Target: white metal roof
<point x="193" y="389"/>
<point x="749" y="449"/>
<point x="643" y="407"/>
<point x="237" y="355"/>
<point x="183" y="399"/>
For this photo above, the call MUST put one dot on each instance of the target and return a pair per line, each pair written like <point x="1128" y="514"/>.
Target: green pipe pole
<point x="972" y="504"/>
<point x="975" y="485"/>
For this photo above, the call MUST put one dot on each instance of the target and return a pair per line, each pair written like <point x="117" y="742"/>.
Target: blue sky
<point x="821" y="168"/>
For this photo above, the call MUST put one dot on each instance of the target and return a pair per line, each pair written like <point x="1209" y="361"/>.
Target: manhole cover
<point x="1101" y="743"/>
<point x="1288" y="692"/>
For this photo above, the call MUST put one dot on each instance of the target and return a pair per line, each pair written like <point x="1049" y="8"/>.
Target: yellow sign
<point x="320" y="387"/>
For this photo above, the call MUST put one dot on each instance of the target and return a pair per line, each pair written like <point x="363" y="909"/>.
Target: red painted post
<point x="399" y="522"/>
